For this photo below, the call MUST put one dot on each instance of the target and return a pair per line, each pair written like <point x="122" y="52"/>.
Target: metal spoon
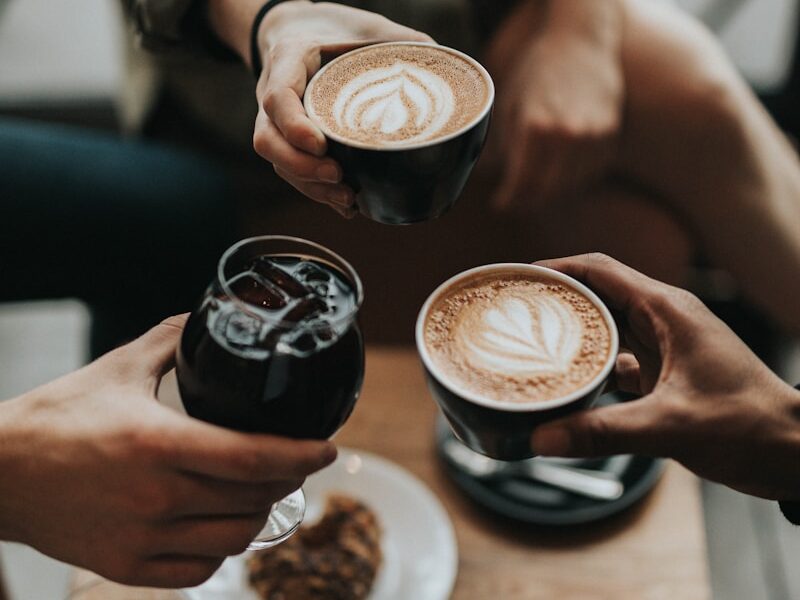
<point x="592" y="484"/>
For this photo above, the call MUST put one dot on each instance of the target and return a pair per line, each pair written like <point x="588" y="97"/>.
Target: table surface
<point x="655" y="550"/>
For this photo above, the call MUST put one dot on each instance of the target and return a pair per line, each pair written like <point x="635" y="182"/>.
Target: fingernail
<point x="551" y="441"/>
<point x="328" y="174"/>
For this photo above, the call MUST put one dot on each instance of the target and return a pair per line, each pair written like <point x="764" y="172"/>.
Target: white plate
<point x="420" y="556"/>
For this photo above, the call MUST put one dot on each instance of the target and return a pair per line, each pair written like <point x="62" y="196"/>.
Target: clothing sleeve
<point x="175" y="26"/>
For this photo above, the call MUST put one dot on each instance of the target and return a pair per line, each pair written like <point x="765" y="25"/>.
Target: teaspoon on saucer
<point x="599" y="485"/>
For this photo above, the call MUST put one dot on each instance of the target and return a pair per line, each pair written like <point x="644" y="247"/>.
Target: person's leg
<point x="133" y="229"/>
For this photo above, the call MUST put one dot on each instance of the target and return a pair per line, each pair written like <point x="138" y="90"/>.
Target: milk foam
<point x="386" y="100"/>
<point x="515" y="336"/>
<point x="395" y="95"/>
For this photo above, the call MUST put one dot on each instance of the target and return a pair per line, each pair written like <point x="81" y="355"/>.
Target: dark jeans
<point x="133" y="229"/>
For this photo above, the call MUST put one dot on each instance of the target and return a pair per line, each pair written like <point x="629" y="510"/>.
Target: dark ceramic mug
<point x="502" y="430"/>
<point x="410" y="183"/>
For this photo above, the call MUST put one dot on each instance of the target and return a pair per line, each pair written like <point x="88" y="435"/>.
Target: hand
<point x="559" y="109"/>
<point x="294" y="35"/>
<point x="707" y="400"/>
<point x="95" y="472"/>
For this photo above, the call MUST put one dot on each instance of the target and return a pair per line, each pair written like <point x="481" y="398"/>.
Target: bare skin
<point x="707" y="400"/>
<point x="95" y="472"/>
<point x="561" y="96"/>
<point x="293" y="37"/>
<point x="594" y="98"/>
<point x="693" y="141"/>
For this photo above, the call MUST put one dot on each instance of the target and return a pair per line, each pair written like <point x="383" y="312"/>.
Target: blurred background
<point x="72" y="63"/>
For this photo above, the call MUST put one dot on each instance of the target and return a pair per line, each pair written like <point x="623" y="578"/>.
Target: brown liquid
<point x="516" y="337"/>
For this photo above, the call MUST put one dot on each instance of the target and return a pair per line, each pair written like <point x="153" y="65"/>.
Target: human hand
<point x="95" y="472"/>
<point x="293" y="38"/>
<point x="559" y="108"/>
<point x="707" y="400"/>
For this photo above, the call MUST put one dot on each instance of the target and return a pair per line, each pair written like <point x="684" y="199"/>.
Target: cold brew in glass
<point x="274" y="347"/>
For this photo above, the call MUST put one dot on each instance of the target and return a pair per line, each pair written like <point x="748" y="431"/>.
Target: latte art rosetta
<point x="516" y="337"/>
<point x="398" y="95"/>
<point x="401" y="102"/>
<point x="516" y="334"/>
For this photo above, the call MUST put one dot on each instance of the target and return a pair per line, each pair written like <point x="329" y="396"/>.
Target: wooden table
<point x="655" y="551"/>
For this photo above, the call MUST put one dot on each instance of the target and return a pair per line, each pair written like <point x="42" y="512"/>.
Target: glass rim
<point x="263" y="315"/>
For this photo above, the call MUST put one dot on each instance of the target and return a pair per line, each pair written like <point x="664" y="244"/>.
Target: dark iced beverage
<point x="274" y="346"/>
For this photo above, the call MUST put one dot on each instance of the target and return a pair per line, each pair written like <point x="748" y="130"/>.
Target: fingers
<point x="619" y="285"/>
<point x="173" y="572"/>
<point x="513" y="177"/>
<point x="638" y="427"/>
<point x="273" y="147"/>
<point x="288" y="70"/>
<point x="211" y="537"/>
<point x="203" y="496"/>
<point x="339" y="197"/>
<point x="252" y="458"/>
<point x="536" y="171"/>
<point x="152" y="354"/>
<point x="627" y="374"/>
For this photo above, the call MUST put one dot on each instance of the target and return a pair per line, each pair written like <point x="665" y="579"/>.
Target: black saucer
<point x="537" y="503"/>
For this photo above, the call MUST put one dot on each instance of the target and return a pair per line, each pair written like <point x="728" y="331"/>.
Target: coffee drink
<point x="516" y="336"/>
<point x="398" y="95"/>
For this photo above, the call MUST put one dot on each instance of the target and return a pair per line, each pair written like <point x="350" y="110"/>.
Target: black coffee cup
<point x="412" y="183"/>
<point x="502" y="430"/>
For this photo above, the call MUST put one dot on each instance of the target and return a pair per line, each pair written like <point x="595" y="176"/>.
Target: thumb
<point x="635" y="427"/>
<point x="153" y="354"/>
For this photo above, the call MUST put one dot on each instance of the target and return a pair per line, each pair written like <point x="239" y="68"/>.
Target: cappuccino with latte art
<point x="508" y="347"/>
<point x="398" y="95"/>
<point x="517" y="337"/>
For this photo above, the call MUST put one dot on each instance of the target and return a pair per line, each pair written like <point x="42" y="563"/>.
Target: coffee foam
<point x="398" y="95"/>
<point x="517" y="338"/>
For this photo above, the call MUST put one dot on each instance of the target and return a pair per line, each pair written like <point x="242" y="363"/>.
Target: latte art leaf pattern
<point x="524" y="337"/>
<point x="400" y="103"/>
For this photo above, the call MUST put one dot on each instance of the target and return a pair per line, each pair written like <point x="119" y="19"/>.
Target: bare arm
<point x="697" y="136"/>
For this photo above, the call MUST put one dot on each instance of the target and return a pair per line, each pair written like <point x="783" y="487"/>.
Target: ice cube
<point x="301" y="341"/>
<point x="321" y="289"/>
<point x="253" y="290"/>
<point x="304" y="308"/>
<point x="322" y="331"/>
<point x="242" y="330"/>
<point x="308" y="272"/>
<point x="273" y="273"/>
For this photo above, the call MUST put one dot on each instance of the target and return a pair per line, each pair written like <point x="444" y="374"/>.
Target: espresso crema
<point x="516" y="337"/>
<point x="397" y="95"/>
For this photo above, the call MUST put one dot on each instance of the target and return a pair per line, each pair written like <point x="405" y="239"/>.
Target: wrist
<point x="598" y="23"/>
<point x="274" y="24"/>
